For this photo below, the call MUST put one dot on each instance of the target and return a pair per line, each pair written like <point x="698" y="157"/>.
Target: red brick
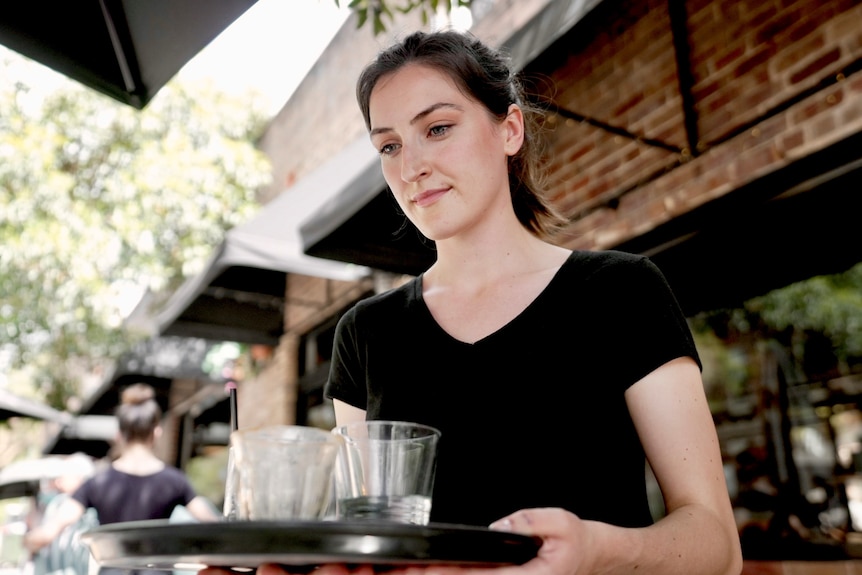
<point x="776" y="26"/>
<point x="792" y="55"/>
<point x="791" y="140"/>
<point x="817" y="67"/>
<point x="823" y="126"/>
<point x="758" y="57"/>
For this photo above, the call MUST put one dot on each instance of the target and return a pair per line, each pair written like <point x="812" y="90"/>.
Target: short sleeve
<point x="346" y="380"/>
<point x="645" y="322"/>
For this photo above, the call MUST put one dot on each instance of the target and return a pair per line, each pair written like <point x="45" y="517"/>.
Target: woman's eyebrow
<point x="432" y="108"/>
<point x="419" y="116"/>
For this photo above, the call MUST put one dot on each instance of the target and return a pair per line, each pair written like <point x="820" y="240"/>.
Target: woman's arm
<point x="346" y="413"/>
<point x="675" y="426"/>
<point x="68" y="513"/>
<point x="201" y="510"/>
<point x="698" y="533"/>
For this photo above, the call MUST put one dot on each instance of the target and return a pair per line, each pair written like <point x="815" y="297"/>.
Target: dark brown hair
<point x="484" y="75"/>
<point x="138" y="413"/>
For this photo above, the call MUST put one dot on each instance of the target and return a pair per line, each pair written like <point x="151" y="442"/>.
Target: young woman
<point x="552" y="374"/>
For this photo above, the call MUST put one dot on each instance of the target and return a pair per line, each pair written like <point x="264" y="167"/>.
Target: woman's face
<point x="443" y="155"/>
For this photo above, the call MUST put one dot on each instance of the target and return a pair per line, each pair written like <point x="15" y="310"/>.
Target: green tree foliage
<point x="827" y="305"/>
<point x="99" y="200"/>
<point x="821" y="315"/>
<point x="377" y="12"/>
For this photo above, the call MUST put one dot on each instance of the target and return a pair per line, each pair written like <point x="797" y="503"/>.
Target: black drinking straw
<point x="231" y="388"/>
<point x="230" y="505"/>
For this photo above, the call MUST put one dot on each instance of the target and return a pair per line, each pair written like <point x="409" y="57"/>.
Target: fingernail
<point x="502" y="525"/>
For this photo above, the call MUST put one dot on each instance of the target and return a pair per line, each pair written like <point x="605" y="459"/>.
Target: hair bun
<point x="137" y="393"/>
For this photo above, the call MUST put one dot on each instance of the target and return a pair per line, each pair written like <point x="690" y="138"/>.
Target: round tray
<point x="248" y="544"/>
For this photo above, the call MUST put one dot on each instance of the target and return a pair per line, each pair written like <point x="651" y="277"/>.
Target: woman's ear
<point x="513" y="127"/>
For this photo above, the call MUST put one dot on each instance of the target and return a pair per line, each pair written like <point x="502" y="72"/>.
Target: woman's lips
<point x="428" y="197"/>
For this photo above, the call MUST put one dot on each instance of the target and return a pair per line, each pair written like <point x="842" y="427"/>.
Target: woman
<point x="137" y="485"/>
<point x="550" y="373"/>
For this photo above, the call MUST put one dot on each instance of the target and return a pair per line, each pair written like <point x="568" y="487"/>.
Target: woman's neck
<point x="491" y="260"/>
<point x="488" y="249"/>
<point x="138" y="459"/>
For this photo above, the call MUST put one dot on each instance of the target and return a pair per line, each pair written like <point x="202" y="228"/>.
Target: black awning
<point x="376" y="235"/>
<point x="359" y="221"/>
<point x="125" y="49"/>
<point x="796" y="223"/>
<point x="22" y="478"/>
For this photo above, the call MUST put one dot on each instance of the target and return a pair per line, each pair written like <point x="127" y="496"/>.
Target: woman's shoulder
<point x="380" y="311"/>
<point x="602" y="258"/>
<point x="587" y="262"/>
<point x="167" y="475"/>
<point x="609" y="273"/>
<point x="171" y="470"/>
<point x="393" y="300"/>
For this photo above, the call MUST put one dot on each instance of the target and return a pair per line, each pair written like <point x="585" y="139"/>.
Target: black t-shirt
<point x="118" y="496"/>
<point x="533" y="415"/>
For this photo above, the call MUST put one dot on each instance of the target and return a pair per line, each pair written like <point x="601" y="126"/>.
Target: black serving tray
<point x="248" y="544"/>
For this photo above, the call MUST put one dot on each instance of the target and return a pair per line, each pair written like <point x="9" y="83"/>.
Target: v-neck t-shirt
<point x="533" y="414"/>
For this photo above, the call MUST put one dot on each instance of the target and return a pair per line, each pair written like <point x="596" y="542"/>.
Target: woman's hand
<point x="563" y="536"/>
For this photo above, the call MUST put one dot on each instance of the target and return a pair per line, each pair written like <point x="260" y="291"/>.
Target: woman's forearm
<point x="689" y="540"/>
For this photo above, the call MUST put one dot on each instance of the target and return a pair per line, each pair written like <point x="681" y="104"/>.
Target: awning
<point x="22" y="478"/>
<point x="240" y="294"/>
<point x="90" y="434"/>
<point x="546" y="27"/>
<point x="361" y="180"/>
<point x="12" y="405"/>
<point x="126" y="49"/>
<point x="362" y="223"/>
<point x="793" y="224"/>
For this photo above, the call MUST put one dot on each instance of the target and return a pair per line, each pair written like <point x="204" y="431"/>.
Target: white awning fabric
<point x="12" y="405"/>
<point x="271" y="240"/>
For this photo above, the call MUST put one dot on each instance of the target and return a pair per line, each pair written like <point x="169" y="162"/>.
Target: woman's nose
<point x="413" y="164"/>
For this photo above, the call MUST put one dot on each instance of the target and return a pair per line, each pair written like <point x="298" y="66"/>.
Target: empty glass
<point x="385" y="471"/>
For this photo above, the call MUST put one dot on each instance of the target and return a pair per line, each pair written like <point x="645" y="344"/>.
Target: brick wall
<point x="311" y="299"/>
<point x="772" y="82"/>
<point x="269" y="398"/>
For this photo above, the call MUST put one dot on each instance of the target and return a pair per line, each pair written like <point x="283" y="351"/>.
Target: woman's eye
<point x="439" y="130"/>
<point x="388" y="149"/>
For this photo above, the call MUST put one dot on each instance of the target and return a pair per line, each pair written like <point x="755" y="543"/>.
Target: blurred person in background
<point x="66" y="555"/>
<point x="134" y="487"/>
